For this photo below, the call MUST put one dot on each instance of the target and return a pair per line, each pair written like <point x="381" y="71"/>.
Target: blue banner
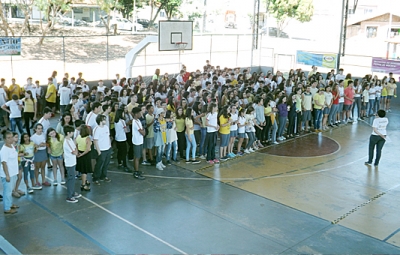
<point x="320" y="60"/>
<point x="10" y="46"/>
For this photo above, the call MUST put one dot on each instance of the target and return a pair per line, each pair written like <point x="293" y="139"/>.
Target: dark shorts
<point x="50" y="104"/>
<point x="347" y="107"/>
<point x="137" y="151"/>
<point x="327" y="110"/>
<point x="234" y="133"/>
<point x="306" y="115"/>
<point x="389" y="97"/>
<point x="149" y="143"/>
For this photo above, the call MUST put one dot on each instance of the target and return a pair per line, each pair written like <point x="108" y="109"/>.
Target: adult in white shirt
<point x="45" y="119"/>
<point x="15" y="107"/>
<point x="8" y="171"/>
<point x="70" y="152"/>
<point x="65" y="96"/>
<point x="378" y="137"/>
<point x="102" y="144"/>
<point x="340" y="76"/>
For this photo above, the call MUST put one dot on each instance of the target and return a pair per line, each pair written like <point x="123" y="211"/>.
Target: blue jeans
<point x="101" y="167"/>
<point x="70" y="180"/>
<point x="273" y="131"/>
<point x="332" y="114"/>
<point x="174" y="146"/>
<point x="357" y="102"/>
<point x="371" y="108"/>
<point x="282" y="125"/>
<point x="7" y="190"/>
<point x="203" y="146"/>
<point x="317" y="118"/>
<point x="191" y="144"/>
<point x="160" y="152"/>
<point x="252" y="139"/>
<point x="377" y="104"/>
<point x="16" y="122"/>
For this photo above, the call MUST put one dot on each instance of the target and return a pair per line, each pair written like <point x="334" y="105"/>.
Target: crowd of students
<point x="177" y="118"/>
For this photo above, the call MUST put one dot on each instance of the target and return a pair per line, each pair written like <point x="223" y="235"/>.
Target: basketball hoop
<point x="181" y="46"/>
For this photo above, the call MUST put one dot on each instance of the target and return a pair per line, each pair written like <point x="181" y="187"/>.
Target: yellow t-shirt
<point x="163" y="127"/>
<point x="170" y="108"/>
<point x="320" y="99"/>
<point x="390" y="88"/>
<point x="81" y="143"/>
<point x="29" y="149"/>
<point x="29" y="105"/>
<point x="384" y="91"/>
<point x="17" y="91"/>
<point x="130" y="106"/>
<point x="224" y="129"/>
<point x="189" y="126"/>
<point x="51" y="89"/>
<point x="180" y="125"/>
<point x="112" y="120"/>
<point x="57" y="146"/>
<point x="150" y="118"/>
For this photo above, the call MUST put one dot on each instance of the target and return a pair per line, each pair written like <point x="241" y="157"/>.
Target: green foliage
<point x="301" y="10"/>
<point x="171" y="7"/>
<point x="51" y="7"/>
<point x="109" y="5"/>
<point x="127" y="6"/>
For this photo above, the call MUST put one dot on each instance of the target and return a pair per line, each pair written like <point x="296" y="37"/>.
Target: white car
<point x="122" y="23"/>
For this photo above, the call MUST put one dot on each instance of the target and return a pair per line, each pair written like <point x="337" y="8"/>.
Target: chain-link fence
<point x="101" y="57"/>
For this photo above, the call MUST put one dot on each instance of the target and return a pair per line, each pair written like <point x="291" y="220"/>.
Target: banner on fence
<point x="10" y="46"/>
<point x="312" y="59"/>
<point x="381" y="65"/>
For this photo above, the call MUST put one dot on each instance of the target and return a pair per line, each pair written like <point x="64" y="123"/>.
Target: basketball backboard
<point x="171" y="32"/>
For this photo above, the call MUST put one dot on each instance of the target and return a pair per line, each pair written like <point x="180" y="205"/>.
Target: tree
<point x="171" y="8"/>
<point x="50" y="9"/>
<point x="127" y="6"/>
<point x="283" y="10"/>
<point x="26" y="7"/>
<point x="4" y="22"/>
<point x="107" y="6"/>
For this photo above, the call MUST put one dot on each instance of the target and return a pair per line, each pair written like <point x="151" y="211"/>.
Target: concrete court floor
<point x="262" y="203"/>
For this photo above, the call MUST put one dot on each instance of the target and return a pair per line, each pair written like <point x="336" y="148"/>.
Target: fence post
<point x="12" y="68"/>
<point x="237" y="49"/>
<point x="210" y="47"/>
<point x="107" y="58"/>
<point x="145" y="61"/>
<point x="64" y="52"/>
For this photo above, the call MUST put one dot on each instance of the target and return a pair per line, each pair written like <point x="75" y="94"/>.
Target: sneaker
<point x="49" y="167"/>
<point x="216" y="161"/>
<point x="284" y="138"/>
<point x="358" y="119"/>
<point x="211" y="162"/>
<point x="55" y="183"/>
<point x="30" y="190"/>
<point x="96" y="183"/>
<point x="255" y="148"/>
<point x="63" y="182"/>
<point x="145" y="163"/>
<point x="72" y="200"/>
<point x="130" y="159"/>
<point x="107" y="179"/>
<point x="159" y="167"/>
<point x="188" y="161"/>
<point x="194" y="161"/>
<point x="21" y="192"/>
<point x="168" y="162"/>
<point x="251" y="150"/>
<point x="37" y="186"/>
<point x="275" y="142"/>
<point x="246" y="151"/>
<point x="11" y="211"/>
<point x="76" y="195"/>
<point x="239" y="154"/>
<point x="224" y="158"/>
<point x="176" y="161"/>
<point x="279" y="139"/>
<point x="202" y="157"/>
<point x="16" y="194"/>
<point x="162" y="165"/>
<point x="46" y="184"/>
<point x="138" y="176"/>
<point x="368" y="163"/>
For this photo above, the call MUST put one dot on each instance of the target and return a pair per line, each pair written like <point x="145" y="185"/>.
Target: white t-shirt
<point x="10" y="156"/>
<point x="234" y="118"/>
<point x="120" y="134"/>
<point x="212" y="119"/>
<point x="378" y="90"/>
<point x="101" y="89"/>
<point x="69" y="159"/>
<point x="117" y="88"/>
<point x="45" y="123"/>
<point x="340" y="77"/>
<point x="85" y="88"/>
<point x="328" y="98"/>
<point x="65" y="94"/>
<point x="91" y="120"/>
<point x="38" y="139"/>
<point x="32" y="88"/>
<point x="102" y="135"/>
<point x="341" y="94"/>
<point x="137" y="138"/>
<point x="358" y="89"/>
<point x="242" y="129"/>
<point x="380" y="124"/>
<point x="372" y="93"/>
<point x="3" y="96"/>
<point x="14" y="109"/>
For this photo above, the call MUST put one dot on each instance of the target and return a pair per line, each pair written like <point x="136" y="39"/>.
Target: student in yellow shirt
<point x="29" y="110"/>
<point x="15" y="89"/>
<point x="55" y="144"/>
<point x="51" y="95"/>
<point x="27" y="148"/>
<point x="224" y="131"/>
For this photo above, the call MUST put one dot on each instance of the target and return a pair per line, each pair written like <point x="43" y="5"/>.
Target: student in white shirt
<point x="378" y="137"/>
<point x="120" y="138"/>
<point x="65" y="96"/>
<point x="212" y="128"/>
<point x="138" y="133"/>
<point x="8" y="171"/>
<point x="102" y="144"/>
<point x="70" y="152"/>
<point x="233" y="129"/>
<point x="45" y="119"/>
<point x="15" y="107"/>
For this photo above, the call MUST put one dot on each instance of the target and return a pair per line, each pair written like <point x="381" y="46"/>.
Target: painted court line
<point x="6" y="247"/>
<point x="130" y="223"/>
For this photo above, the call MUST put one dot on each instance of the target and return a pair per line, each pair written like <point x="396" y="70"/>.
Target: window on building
<point x="371" y="32"/>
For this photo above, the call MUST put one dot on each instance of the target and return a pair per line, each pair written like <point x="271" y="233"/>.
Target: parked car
<point x="121" y="23"/>
<point x="145" y="23"/>
<point x="273" y="32"/>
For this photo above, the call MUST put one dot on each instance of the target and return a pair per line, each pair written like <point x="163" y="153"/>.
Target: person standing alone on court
<point x="378" y="137"/>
